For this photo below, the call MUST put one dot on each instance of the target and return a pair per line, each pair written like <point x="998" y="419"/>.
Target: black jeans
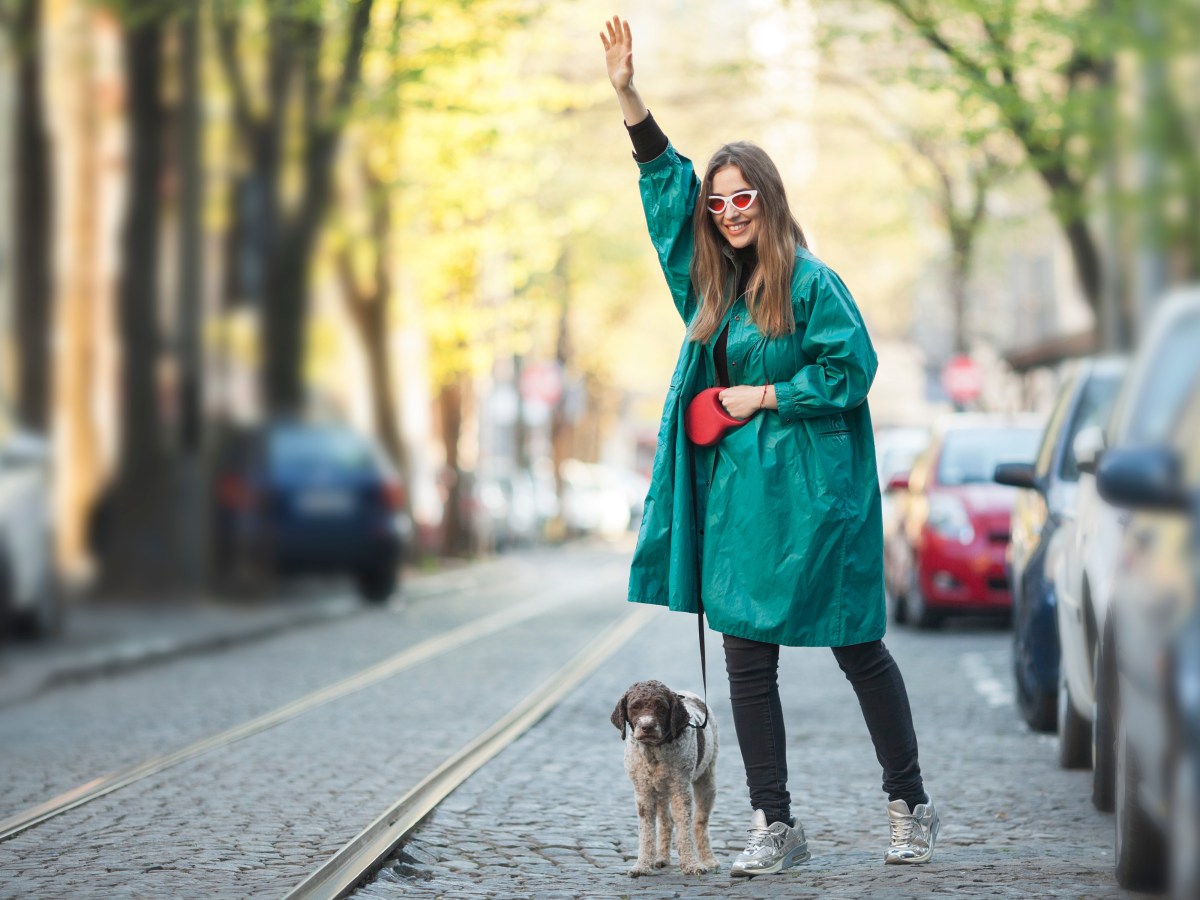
<point x="753" y="669"/>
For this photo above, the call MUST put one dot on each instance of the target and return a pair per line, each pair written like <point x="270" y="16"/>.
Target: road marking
<point x="994" y="691"/>
<point x="358" y="859"/>
<point x="405" y="659"/>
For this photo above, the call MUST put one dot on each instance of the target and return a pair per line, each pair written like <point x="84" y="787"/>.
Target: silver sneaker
<point x="770" y="849"/>
<point x="913" y="832"/>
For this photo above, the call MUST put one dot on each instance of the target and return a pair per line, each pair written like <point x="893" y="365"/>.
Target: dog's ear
<point x="620" y="715"/>
<point x="679" y="716"/>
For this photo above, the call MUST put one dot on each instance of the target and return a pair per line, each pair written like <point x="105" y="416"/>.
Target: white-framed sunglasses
<point x="740" y="201"/>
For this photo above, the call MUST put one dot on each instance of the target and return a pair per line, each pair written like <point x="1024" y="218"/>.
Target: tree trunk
<point x="34" y="228"/>
<point x="138" y="558"/>
<point x="455" y="535"/>
<point x="370" y="315"/>
<point x="75" y="350"/>
<point x="192" y="514"/>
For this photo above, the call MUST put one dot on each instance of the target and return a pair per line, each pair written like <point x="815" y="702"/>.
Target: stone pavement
<point x="108" y="637"/>
<point x="553" y="815"/>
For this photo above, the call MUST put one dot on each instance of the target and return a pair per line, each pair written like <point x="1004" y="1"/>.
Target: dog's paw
<point x="661" y="862"/>
<point x="697" y="869"/>
<point x="640" y="869"/>
<point x="712" y="865"/>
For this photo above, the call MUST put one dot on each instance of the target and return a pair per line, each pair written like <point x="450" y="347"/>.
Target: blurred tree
<point x="33" y="250"/>
<point x="1050" y="75"/>
<point x="291" y="138"/>
<point x="137" y="553"/>
<point x="949" y="154"/>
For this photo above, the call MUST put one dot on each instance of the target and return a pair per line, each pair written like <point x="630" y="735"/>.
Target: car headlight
<point x="948" y="517"/>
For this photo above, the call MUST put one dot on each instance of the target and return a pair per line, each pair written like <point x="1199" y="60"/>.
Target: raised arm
<point x="618" y="55"/>
<point x="667" y="182"/>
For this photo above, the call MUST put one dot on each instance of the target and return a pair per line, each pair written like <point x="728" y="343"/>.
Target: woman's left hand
<point x="744" y="400"/>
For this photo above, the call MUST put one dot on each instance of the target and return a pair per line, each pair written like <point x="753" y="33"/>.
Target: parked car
<point x="956" y="521"/>
<point x="1050" y="481"/>
<point x="595" y="500"/>
<point x="1147" y="407"/>
<point x="1152" y="650"/>
<point x="304" y="497"/>
<point x="29" y="600"/>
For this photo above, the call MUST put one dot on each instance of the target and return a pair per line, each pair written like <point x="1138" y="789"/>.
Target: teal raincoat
<point x="778" y="525"/>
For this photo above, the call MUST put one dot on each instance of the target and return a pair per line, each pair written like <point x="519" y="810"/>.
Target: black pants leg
<point x="753" y="669"/>
<point x="881" y="694"/>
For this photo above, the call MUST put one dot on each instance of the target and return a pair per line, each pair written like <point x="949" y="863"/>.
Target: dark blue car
<point x="1085" y="398"/>
<point x="301" y="497"/>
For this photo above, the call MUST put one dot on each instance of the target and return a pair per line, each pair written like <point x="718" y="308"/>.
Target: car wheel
<point x="1104" y="762"/>
<point x="1185" y="829"/>
<point x="44" y="620"/>
<point x="1140" y="848"/>
<point x="377" y="584"/>
<point x="1074" y="734"/>
<point x="1039" y="707"/>
<point x="7" y="614"/>
<point x="917" y="612"/>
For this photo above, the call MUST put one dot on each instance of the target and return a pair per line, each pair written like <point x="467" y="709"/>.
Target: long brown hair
<point x="769" y="293"/>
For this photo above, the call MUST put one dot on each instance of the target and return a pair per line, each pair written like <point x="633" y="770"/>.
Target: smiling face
<point x="738" y="226"/>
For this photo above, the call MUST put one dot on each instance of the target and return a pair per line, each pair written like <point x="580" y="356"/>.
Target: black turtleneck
<point x="747" y="259"/>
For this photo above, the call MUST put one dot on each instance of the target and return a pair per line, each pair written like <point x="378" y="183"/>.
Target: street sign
<point x="962" y="379"/>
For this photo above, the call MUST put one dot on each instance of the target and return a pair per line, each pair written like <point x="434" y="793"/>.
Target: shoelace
<point x="757" y="839"/>
<point x="902" y="830"/>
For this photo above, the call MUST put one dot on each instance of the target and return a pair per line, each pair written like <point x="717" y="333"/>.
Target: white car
<point x="1147" y="407"/>
<point x="28" y="594"/>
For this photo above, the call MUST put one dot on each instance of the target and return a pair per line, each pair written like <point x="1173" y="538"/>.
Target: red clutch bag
<point x="706" y="419"/>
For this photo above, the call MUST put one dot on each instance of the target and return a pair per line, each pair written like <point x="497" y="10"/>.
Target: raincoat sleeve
<point x="669" y="189"/>
<point x="835" y="339"/>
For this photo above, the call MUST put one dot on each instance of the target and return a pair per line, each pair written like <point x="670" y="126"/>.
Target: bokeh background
<point x="419" y="220"/>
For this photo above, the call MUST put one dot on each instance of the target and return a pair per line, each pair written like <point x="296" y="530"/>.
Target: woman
<point x="786" y="508"/>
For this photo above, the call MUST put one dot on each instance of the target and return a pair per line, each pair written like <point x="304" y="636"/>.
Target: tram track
<point x="359" y="859"/>
<point x="408" y="658"/>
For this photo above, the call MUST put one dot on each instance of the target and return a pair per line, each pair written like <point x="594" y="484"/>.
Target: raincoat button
<point x="737" y="318"/>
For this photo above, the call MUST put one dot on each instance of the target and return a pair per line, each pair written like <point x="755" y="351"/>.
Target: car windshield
<point x="970" y="456"/>
<point x="299" y="452"/>
<point x="1170" y="377"/>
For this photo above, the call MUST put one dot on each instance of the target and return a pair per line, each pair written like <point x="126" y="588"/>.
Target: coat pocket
<point x="834" y="451"/>
<point x="827" y="425"/>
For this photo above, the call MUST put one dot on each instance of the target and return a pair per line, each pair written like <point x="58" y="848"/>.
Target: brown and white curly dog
<point x="673" y="769"/>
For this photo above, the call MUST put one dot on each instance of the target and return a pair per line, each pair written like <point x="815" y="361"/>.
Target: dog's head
<point x="654" y="712"/>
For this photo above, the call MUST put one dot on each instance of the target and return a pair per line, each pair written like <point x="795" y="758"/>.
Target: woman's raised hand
<point x="618" y="53"/>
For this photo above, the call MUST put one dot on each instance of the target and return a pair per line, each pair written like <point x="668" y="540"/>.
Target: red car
<point x="947" y="555"/>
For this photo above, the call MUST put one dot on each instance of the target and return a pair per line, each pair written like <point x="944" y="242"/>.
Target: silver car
<point x="28" y="594"/>
<point x="1146" y="410"/>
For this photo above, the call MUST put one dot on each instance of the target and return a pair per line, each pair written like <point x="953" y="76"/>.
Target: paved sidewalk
<point x="107" y="637"/>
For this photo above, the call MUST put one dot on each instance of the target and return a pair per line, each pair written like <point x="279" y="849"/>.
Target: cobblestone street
<point x="553" y="814"/>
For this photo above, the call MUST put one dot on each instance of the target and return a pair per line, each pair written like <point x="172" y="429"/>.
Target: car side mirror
<point x="898" y="482"/>
<point x="1142" y="478"/>
<point x="1087" y="447"/>
<point x="1019" y="475"/>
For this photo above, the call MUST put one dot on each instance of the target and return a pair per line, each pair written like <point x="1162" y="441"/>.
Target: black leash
<point x="699" y="604"/>
<point x="703" y="664"/>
